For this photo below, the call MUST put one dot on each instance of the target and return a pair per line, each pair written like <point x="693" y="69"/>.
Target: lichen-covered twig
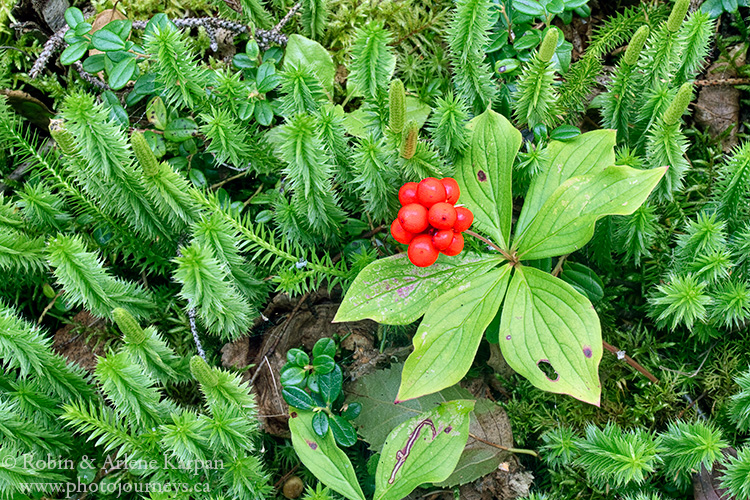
<point x="274" y="35"/>
<point x="57" y="42"/>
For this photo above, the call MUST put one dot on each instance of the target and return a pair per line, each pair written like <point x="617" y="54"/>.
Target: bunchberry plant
<point x="544" y="322"/>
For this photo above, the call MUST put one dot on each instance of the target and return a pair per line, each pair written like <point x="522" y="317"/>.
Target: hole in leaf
<point x="548" y="370"/>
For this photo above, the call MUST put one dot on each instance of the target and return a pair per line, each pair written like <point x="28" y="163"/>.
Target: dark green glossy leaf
<point x="243" y="61"/>
<point x="298" y="357"/>
<point x="121" y="73"/>
<point x="74" y="52"/>
<point x="584" y="280"/>
<point x="293" y="375"/>
<point x="343" y="431"/>
<point x="329" y="385"/>
<point x="94" y="64"/>
<point x="320" y="423"/>
<point x="267" y="79"/>
<point x="105" y="40"/>
<point x="529" y="7"/>
<point x="181" y="129"/>
<point x="564" y="133"/>
<point x="197" y="177"/>
<point x="82" y="28"/>
<point x="120" y="27"/>
<point x="324" y="346"/>
<point x="263" y="113"/>
<point x="352" y="411"/>
<point x="294" y="396"/>
<point x="73" y="16"/>
<point x="323" y="364"/>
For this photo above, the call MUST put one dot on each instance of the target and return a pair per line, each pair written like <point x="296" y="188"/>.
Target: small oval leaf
<point x="343" y="431"/>
<point x="294" y="396"/>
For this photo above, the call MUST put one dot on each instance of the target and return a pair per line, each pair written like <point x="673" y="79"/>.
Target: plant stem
<point x="617" y="352"/>
<point x="558" y="268"/>
<point x="505" y="448"/>
<point x="492" y="245"/>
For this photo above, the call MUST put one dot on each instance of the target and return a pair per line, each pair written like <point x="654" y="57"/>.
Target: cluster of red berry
<point x="428" y="220"/>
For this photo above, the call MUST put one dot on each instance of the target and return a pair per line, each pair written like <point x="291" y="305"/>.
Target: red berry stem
<point x="492" y="245"/>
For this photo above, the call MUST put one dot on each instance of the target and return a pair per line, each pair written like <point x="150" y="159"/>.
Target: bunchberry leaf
<point x="484" y="174"/>
<point x="322" y="456"/>
<point x="343" y="431"/>
<point x="589" y="152"/>
<point x="566" y="220"/>
<point x="320" y="423"/>
<point x="546" y="324"/>
<point x="396" y="292"/>
<point x="448" y="337"/>
<point x="424" y="449"/>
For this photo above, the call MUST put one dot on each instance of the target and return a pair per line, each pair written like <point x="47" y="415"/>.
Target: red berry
<point x="408" y="193"/>
<point x="452" y="192"/>
<point x="442" y="215"/>
<point x="464" y="219"/>
<point x="442" y="239"/>
<point x="456" y="245"/>
<point x="422" y="252"/>
<point x="430" y="191"/>
<point x="400" y="234"/>
<point x="413" y="218"/>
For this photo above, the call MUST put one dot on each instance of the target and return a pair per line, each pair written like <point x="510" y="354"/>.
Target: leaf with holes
<point x="484" y="174"/>
<point x="322" y="456"/>
<point x="396" y="292"/>
<point x="567" y="218"/>
<point x="424" y="449"/>
<point x="591" y="152"/>
<point x="550" y="334"/>
<point x="448" y="337"/>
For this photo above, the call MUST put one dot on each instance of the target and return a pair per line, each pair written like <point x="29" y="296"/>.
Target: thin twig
<point x="194" y="330"/>
<point x="558" y="268"/>
<point x="505" y="448"/>
<point x="492" y="245"/>
<point x="229" y="179"/>
<point x="621" y="355"/>
<point x="49" y="306"/>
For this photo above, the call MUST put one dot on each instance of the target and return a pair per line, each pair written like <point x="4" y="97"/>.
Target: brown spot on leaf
<point x="481" y="176"/>
<point x="313" y="446"/>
